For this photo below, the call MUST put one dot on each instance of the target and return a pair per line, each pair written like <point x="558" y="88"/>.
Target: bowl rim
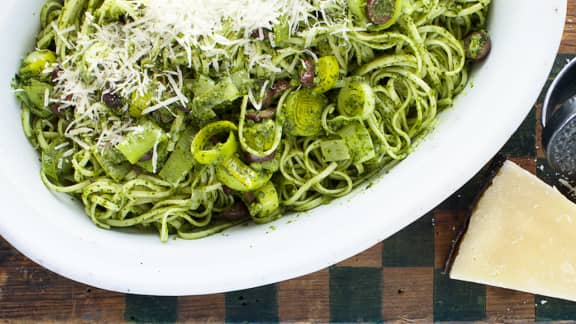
<point x="327" y="248"/>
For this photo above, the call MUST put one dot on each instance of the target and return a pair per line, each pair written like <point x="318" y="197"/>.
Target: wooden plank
<point x="205" y="309"/>
<point x="446" y="225"/>
<point x="506" y="306"/>
<point x="528" y="164"/>
<point x="371" y="258"/>
<point x="407" y="294"/>
<point x="31" y="293"/>
<point x="305" y="299"/>
<point x="569" y="38"/>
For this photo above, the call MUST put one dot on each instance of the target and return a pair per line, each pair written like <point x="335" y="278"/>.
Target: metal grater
<point x="559" y="122"/>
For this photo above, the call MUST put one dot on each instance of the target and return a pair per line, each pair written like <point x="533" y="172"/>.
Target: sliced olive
<point x="55" y="108"/>
<point x="55" y="75"/>
<point x="268" y="98"/>
<point x="380" y="11"/>
<point x="260" y="34"/>
<point x="307" y="76"/>
<point x="477" y="45"/>
<point x="280" y="87"/>
<point x="112" y="100"/>
<point x="249" y="197"/>
<point x="259" y="116"/>
<point x="235" y="212"/>
<point x="147" y="157"/>
<point x="256" y="159"/>
<point x="273" y="93"/>
<point x="228" y="190"/>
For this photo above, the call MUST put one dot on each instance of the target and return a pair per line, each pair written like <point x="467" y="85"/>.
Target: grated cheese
<point x="68" y="153"/>
<point x="162" y="104"/>
<point x="61" y="146"/>
<point x="46" y="98"/>
<point x="110" y="56"/>
<point x="155" y="158"/>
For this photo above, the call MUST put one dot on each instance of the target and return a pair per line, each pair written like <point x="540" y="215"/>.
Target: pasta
<point x="189" y="117"/>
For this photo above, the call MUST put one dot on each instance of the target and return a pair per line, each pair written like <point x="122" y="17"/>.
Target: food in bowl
<point x="189" y="118"/>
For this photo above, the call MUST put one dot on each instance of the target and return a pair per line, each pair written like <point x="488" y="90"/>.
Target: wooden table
<point x="397" y="280"/>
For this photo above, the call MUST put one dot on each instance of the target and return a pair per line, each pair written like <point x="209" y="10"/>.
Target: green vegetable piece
<point x="141" y="141"/>
<point x="241" y="80"/>
<point x="334" y="150"/>
<point x="281" y="31"/>
<point x="56" y="163"/>
<point x="180" y="161"/>
<point x="154" y="164"/>
<point x="112" y="162"/>
<point x="265" y="205"/>
<point x="205" y="152"/>
<point x="328" y="71"/>
<point x="238" y="176"/>
<point x="267" y="166"/>
<point x="34" y="97"/>
<point x="303" y="112"/>
<point x="202" y="115"/>
<point x="202" y="84"/>
<point x="210" y="96"/>
<point x="357" y="99"/>
<point x="359" y="142"/>
<point x="36" y="62"/>
<point x="224" y="91"/>
<point x="260" y="136"/>
<point x="139" y="102"/>
<point x="176" y="130"/>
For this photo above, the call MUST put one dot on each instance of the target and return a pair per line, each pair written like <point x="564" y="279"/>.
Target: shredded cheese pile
<point x="111" y="57"/>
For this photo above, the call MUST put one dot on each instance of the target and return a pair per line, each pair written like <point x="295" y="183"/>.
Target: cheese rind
<point x="522" y="236"/>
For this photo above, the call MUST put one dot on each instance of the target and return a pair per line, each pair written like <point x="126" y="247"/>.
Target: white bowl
<point x="54" y="232"/>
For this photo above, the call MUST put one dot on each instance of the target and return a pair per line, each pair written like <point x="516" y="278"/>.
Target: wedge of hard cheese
<point x="522" y="236"/>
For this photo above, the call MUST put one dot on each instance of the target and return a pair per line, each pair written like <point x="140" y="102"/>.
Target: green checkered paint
<point x="523" y="143"/>
<point x="252" y="305"/>
<point x="552" y="309"/>
<point x="411" y="247"/>
<point x="355" y="294"/>
<point x="151" y="309"/>
<point x="456" y="300"/>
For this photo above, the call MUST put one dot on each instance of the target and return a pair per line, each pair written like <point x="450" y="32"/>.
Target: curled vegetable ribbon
<point x="230" y="170"/>
<point x="221" y="151"/>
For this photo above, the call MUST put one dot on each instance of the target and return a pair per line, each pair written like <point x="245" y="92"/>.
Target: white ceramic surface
<point x="54" y="232"/>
